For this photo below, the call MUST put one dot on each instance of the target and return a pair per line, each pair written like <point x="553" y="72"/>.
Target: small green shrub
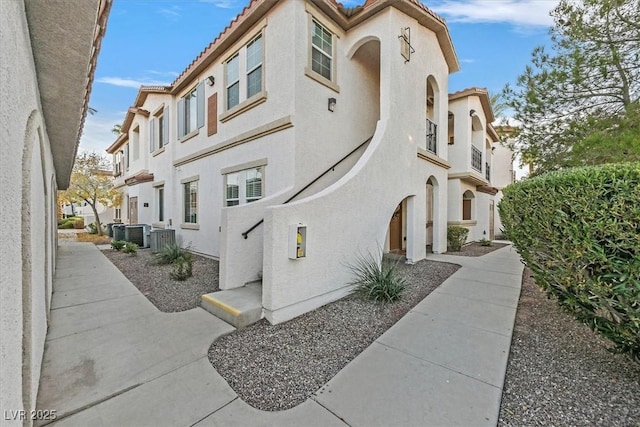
<point x="579" y="232"/>
<point x="456" y="236"/>
<point x="118" y="244"/>
<point x="486" y="242"/>
<point x="171" y="253"/>
<point x="92" y="228"/>
<point x="66" y="225"/>
<point x="377" y="280"/>
<point x="182" y="268"/>
<point x="130" y="248"/>
<point x="78" y="224"/>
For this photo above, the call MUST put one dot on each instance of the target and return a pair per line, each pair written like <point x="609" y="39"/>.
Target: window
<point x="191" y="111"/>
<point x="191" y="202"/>
<point x="117" y="163"/>
<point x="118" y="213"/>
<point x="160" y="191"/>
<point x="251" y="57"/>
<point x="159" y="130"/>
<point x="254" y="67"/>
<point x="135" y="144"/>
<point x="126" y="157"/>
<point x="244" y="186"/>
<point x="467" y="199"/>
<point x="233" y="81"/>
<point x="321" y="50"/>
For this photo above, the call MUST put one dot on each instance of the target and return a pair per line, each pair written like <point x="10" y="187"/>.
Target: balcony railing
<point x="432" y="137"/>
<point x="476" y="159"/>
<point x="487" y="171"/>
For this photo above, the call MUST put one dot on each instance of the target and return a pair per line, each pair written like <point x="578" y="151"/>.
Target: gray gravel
<point x="154" y="282"/>
<point x="560" y="373"/>
<point x="276" y="367"/>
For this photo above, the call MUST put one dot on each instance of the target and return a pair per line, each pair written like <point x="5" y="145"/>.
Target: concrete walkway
<point x="113" y="359"/>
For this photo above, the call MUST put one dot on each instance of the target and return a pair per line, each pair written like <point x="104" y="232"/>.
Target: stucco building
<point x="47" y="62"/>
<point x="305" y="134"/>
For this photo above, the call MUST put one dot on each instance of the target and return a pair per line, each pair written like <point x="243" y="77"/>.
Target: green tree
<point x="116" y="129"/>
<point x="91" y="181"/>
<point x="591" y="77"/>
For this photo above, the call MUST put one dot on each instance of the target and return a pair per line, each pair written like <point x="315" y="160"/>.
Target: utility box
<point x="159" y="239"/>
<point x="297" y="241"/>
<point x="118" y="231"/>
<point x="138" y="234"/>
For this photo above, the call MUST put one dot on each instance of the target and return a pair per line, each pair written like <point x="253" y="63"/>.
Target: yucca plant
<point x="182" y="268"/>
<point x="171" y="253"/>
<point x="376" y="278"/>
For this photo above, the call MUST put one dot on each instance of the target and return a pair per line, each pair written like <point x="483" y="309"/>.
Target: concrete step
<point x="239" y="307"/>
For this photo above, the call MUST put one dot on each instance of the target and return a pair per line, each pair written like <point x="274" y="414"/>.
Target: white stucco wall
<point x="352" y="216"/>
<point x="27" y="216"/>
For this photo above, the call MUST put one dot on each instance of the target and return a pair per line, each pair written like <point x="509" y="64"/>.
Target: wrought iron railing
<point x="487" y="171"/>
<point x="330" y="169"/>
<point x="432" y="137"/>
<point x="476" y="159"/>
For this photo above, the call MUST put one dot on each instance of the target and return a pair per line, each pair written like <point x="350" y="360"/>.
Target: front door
<point x="395" y="230"/>
<point x="133" y="210"/>
<point x="429" y="215"/>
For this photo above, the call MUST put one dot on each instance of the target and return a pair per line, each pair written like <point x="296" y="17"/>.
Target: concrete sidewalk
<point x="113" y="359"/>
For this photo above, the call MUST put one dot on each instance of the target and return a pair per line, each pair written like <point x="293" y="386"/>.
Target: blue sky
<point x="151" y="41"/>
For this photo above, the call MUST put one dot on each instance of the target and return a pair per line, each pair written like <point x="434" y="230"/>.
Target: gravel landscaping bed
<point x="560" y="373"/>
<point x="154" y="282"/>
<point x="276" y="367"/>
<point x="476" y="249"/>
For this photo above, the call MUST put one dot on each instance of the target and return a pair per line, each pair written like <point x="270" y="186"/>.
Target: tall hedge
<point x="579" y="232"/>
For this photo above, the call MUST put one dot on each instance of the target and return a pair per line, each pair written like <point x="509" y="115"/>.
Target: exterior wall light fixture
<point x="332" y="104"/>
<point x="210" y="80"/>
<point x="471" y="113"/>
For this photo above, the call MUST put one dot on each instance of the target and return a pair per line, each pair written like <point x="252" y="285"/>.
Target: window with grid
<point x="191" y="202"/>
<point x="159" y="130"/>
<point x="245" y="186"/>
<point x="254" y="66"/>
<point x="321" y="50"/>
<point x="190" y="113"/>
<point x="233" y="81"/>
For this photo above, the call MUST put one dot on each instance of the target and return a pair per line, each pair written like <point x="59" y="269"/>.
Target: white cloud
<point x="520" y="13"/>
<point x="222" y="4"/>
<point x="133" y="83"/>
<point x="467" y="61"/>
<point x="171" y="12"/>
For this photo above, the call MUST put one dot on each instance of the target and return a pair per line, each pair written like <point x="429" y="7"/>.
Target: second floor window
<point x="321" y="50"/>
<point x="191" y="111"/>
<point x="159" y="130"/>
<point x="241" y="85"/>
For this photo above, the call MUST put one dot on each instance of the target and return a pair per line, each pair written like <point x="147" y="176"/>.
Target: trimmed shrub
<point x="171" y="253"/>
<point x="130" y="248"/>
<point x="377" y="280"/>
<point x="118" y="244"/>
<point x="182" y="268"/>
<point x="66" y="225"/>
<point x="78" y="224"/>
<point x="579" y="232"/>
<point x="456" y="236"/>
